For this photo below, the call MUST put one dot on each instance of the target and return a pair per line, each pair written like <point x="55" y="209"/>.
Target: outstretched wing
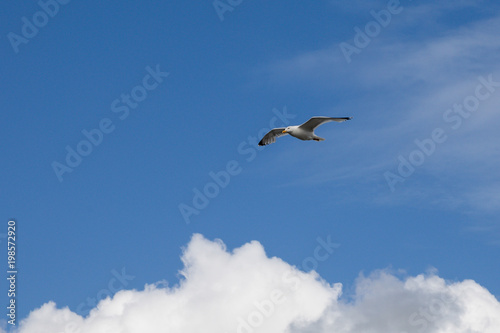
<point x="271" y="136"/>
<point x="314" y="122"/>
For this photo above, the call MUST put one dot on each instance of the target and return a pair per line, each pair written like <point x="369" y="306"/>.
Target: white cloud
<point x="245" y="291"/>
<point x="439" y="58"/>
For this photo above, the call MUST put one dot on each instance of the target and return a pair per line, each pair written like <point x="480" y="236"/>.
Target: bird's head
<point x="287" y="130"/>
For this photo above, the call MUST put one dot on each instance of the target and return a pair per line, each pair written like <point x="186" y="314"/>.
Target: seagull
<point x="302" y="132"/>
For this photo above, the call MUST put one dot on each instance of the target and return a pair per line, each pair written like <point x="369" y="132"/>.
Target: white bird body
<point x="302" y="132"/>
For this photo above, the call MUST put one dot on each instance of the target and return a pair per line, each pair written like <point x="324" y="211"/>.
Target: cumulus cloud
<point x="245" y="291"/>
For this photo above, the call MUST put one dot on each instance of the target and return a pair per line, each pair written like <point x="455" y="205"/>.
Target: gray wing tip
<point x="264" y="142"/>
<point x="325" y="117"/>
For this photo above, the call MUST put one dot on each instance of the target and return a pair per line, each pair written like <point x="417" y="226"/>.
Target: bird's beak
<point x="284" y="131"/>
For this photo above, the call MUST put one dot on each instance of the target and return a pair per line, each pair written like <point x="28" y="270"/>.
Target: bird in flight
<point x="302" y="132"/>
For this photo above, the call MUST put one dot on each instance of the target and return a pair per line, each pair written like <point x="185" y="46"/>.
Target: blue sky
<point x="118" y="208"/>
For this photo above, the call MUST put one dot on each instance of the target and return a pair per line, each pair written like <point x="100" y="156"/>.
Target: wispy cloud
<point x="423" y="77"/>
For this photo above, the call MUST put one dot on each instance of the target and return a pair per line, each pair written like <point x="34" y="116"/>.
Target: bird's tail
<point x="317" y="138"/>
